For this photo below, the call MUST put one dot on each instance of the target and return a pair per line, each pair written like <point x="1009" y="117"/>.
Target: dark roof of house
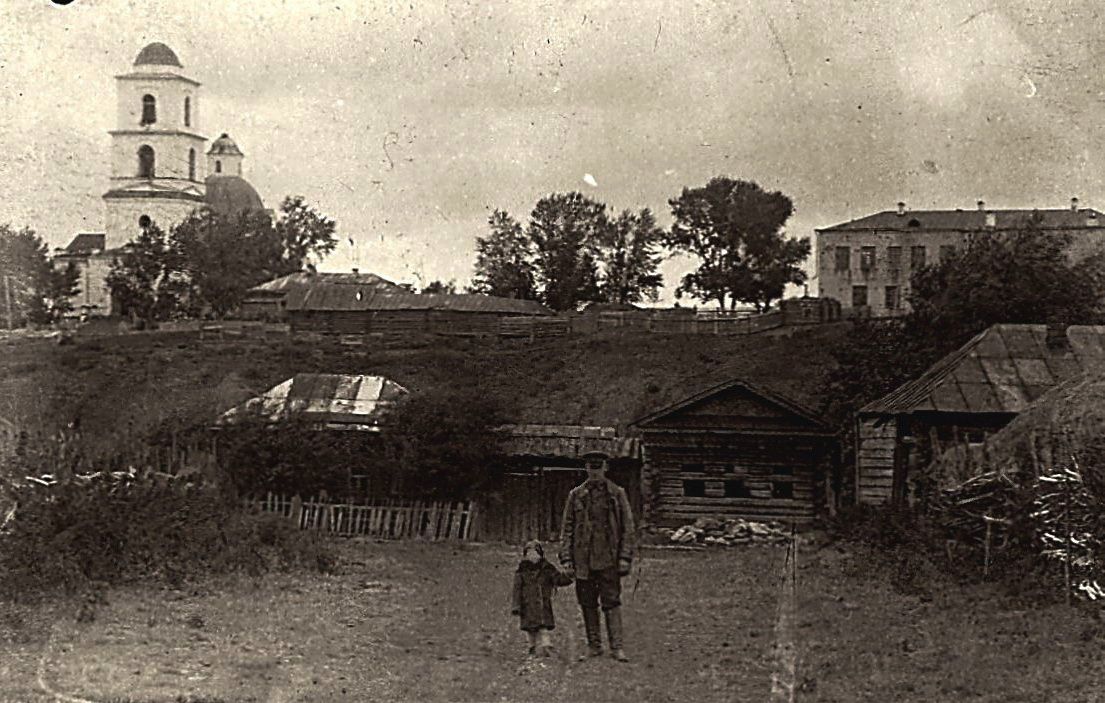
<point x="294" y="286"/>
<point x="764" y="393"/>
<point x="157" y="54"/>
<point x="231" y="195"/>
<point x="330" y="298"/>
<point x="1001" y="370"/>
<point x="86" y="242"/>
<point x="971" y="220"/>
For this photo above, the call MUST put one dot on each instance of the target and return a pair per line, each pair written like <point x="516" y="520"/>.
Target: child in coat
<point x="534" y="584"/>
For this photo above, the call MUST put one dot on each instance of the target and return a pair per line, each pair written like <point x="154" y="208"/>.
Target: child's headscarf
<point x="535" y="545"/>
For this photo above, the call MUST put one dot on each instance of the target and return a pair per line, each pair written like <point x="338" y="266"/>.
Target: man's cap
<point x="600" y="456"/>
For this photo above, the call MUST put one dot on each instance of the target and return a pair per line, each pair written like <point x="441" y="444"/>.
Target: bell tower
<point x="157" y="164"/>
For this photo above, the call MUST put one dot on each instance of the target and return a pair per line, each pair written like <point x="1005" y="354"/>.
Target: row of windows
<point x="736" y="488"/>
<point x="147" y="163"/>
<point x="149" y="111"/>
<point x="868" y="260"/>
<point x="892" y="298"/>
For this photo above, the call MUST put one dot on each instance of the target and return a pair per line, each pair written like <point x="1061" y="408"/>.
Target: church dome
<point x="230" y="195"/>
<point x="157" y="54"/>
<point x="224" y="146"/>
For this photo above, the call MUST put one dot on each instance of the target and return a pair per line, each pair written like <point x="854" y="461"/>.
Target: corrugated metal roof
<point x="971" y="220"/>
<point x="1001" y="370"/>
<point x="352" y="298"/>
<point x="335" y="400"/>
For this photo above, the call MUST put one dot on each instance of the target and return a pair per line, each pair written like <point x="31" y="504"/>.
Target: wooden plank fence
<point x="385" y="519"/>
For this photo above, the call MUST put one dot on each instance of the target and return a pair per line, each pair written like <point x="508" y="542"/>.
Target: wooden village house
<point x="960" y="400"/>
<point x="735" y="450"/>
<point x="271" y="299"/>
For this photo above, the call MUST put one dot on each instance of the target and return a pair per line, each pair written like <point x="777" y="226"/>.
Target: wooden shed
<point x="735" y="450"/>
<point x="963" y="398"/>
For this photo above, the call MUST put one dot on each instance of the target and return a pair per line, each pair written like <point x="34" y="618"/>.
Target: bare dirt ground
<point x="430" y="622"/>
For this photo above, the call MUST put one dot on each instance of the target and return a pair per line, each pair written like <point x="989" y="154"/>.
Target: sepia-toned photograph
<point x="676" y="350"/>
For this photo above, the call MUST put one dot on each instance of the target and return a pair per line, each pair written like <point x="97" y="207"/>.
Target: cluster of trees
<point x="207" y="262"/>
<point x="1025" y="277"/>
<point x="31" y="289"/>
<point x="573" y="250"/>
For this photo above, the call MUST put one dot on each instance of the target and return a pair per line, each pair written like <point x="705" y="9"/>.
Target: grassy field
<point x="430" y="622"/>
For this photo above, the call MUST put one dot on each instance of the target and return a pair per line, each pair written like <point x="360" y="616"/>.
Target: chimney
<point x="356" y="270"/>
<point x="1057" y="339"/>
<point x="981" y="205"/>
<point x="1074" y="204"/>
<point x="901" y="209"/>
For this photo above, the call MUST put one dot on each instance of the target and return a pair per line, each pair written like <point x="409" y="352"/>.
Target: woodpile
<point x="1039" y="486"/>
<point x="729" y="532"/>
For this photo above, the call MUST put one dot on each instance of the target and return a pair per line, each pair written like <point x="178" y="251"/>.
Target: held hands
<point x="624" y="566"/>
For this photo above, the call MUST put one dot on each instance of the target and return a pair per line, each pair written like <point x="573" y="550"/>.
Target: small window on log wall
<point x="735" y="488"/>
<point x="693" y="468"/>
<point x="783" y="471"/>
<point x="694" y="488"/>
<point x="782" y="489"/>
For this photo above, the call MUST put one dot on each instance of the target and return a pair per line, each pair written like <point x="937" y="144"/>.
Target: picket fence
<point x="383" y="519"/>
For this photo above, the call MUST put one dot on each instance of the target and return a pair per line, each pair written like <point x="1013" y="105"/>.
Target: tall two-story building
<point x="867" y="263"/>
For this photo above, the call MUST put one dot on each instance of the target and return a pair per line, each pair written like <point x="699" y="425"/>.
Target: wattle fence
<point x="383" y="519"/>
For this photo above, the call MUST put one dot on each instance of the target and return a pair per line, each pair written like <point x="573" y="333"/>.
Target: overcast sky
<point x="848" y="107"/>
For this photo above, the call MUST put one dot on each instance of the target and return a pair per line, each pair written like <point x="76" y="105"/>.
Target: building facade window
<point x="894" y="261"/>
<point x="145" y="161"/>
<point x="782" y="489"/>
<point x="693" y="488"/>
<point x="736" y="488"/>
<point x="893" y="298"/>
<point x="843" y="259"/>
<point x="859" y="296"/>
<point x="917" y="257"/>
<point x="187" y="112"/>
<point x="191" y="164"/>
<point x="144" y="221"/>
<point x="867" y="259"/>
<point x="149" y="109"/>
<point x="947" y="251"/>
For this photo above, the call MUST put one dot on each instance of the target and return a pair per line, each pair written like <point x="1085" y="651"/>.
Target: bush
<point x="75" y="533"/>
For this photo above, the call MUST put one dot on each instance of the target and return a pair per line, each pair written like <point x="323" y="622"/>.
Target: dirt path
<point x="417" y="622"/>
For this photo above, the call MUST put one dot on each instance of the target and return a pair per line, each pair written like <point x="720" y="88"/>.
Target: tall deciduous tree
<point x="147" y="280"/>
<point x="735" y="229"/>
<point x="31" y="289"/>
<point x="627" y="252"/>
<point x="304" y="232"/>
<point x="223" y="257"/>
<point x="504" y="264"/>
<point x="440" y="287"/>
<point x="565" y="229"/>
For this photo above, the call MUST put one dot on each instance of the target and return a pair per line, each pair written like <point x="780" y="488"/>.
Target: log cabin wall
<point x="876" y="440"/>
<point x="734" y="452"/>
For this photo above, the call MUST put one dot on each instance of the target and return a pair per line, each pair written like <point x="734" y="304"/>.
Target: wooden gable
<point x="734" y="407"/>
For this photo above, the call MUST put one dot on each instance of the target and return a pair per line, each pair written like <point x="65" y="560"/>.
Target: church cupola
<point x="224" y="158"/>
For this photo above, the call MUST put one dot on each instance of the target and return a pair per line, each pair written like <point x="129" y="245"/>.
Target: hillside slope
<point x="129" y="385"/>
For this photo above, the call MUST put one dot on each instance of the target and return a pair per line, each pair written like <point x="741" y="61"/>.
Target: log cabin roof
<point x="1001" y="370"/>
<point x="764" y="396"/>
<point x="338" y="401"/>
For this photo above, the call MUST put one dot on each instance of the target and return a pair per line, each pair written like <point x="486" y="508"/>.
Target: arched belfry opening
<point x="187" y="112"/>
<point x="191" y="164"/>
<point x="218" y="166"/>
<point x="145" y="161"/>
<point x="149" y="109"/>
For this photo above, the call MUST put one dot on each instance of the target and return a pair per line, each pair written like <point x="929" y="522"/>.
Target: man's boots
<point x="614" y="632"/>
<point x="593" y="627"/>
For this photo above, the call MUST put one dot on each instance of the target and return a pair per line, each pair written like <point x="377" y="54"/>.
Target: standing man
<point x="596" y="547"/>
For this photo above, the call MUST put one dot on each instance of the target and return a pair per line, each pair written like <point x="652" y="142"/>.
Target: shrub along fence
<point x="386" y="519"/>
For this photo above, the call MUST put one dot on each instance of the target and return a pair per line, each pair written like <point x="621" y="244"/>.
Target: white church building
<point x="158" y="170"/>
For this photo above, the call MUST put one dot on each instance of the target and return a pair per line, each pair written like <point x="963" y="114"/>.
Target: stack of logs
<point x="728" y="532"/>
